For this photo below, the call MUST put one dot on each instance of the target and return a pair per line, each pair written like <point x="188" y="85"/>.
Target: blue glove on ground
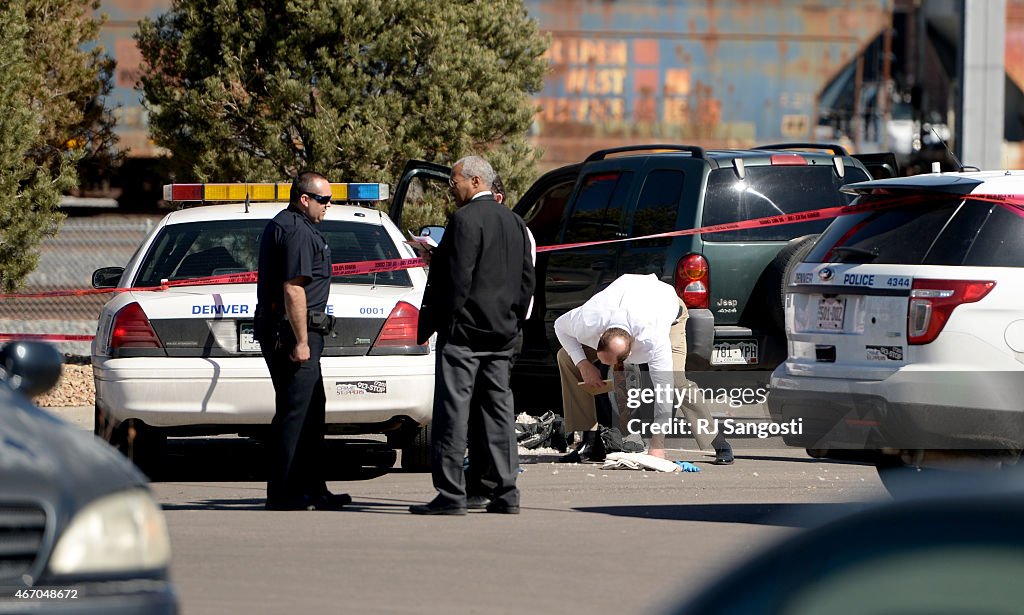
<point x="687" y="466"/>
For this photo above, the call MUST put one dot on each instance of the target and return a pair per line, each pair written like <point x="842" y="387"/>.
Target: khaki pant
<point x="578" y="405"/>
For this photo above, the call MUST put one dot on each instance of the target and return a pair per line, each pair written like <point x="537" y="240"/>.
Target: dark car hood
<point x="43" y="458"/>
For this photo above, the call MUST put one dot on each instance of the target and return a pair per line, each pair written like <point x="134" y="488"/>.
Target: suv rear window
<point x="200" y="249"/>
<point x="771" y="191"/>
<point x="942" y="231"/>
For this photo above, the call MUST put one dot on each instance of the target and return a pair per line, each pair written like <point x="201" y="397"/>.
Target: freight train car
<point x="731" y="73"/>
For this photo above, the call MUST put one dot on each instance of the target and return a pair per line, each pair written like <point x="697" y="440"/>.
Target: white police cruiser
<point x="182" y="361"/>
<point x="905" y="325"/>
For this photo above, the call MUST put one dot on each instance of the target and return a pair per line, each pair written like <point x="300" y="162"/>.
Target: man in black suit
<point x="478" y="290"/>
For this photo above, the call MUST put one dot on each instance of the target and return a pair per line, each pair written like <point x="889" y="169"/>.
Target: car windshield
<point x="944" y="230"/>
<point x="198" y="249"/>
<point x="772" y="191"/>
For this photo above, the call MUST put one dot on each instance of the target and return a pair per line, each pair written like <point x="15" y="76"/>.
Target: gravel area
<point x="75" y="388"/>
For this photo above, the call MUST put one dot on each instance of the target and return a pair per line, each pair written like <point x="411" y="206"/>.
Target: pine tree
<point x="260" y="89"/>
<point x="51" y="115"/>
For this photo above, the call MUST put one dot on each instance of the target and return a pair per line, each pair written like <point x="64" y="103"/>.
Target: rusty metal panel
<point x="116" y="38"/>
<point x="717" y="73"/>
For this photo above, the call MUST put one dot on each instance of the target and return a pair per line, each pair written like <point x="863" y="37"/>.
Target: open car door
<point x="421" y="196"/>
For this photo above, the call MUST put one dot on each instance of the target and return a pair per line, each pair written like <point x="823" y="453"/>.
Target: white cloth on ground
<point x="638" y="461"/>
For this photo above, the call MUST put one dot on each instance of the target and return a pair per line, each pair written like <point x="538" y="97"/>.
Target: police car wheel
<point x="416" y="453"/>
<point x="141" y="444"/>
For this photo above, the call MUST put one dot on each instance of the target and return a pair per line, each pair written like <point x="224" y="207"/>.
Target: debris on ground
<point x="75" y="388"/>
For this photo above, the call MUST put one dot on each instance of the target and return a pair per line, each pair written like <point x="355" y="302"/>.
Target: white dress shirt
<point x="645" y="307"/>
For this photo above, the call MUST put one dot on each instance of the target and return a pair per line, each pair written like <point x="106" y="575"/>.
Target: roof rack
<point x="835" y="148"/>
<point x="695" y="152"/>
<point x="280" y="191"/>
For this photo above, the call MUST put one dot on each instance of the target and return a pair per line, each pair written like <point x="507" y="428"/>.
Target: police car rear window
<point x="200" y="249"/>
<point x="771" y="191"/>
<point x="941" y="231"/>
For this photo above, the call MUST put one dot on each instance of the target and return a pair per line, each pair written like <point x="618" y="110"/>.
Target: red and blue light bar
<point x="264" y="192"/>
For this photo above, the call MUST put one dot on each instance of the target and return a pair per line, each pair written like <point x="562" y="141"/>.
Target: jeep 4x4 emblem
<point x="825" y="274"/>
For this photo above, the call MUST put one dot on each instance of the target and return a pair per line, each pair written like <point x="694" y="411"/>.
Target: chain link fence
<point x="67" y="262"/>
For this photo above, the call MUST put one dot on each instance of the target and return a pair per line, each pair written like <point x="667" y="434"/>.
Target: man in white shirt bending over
<point x="638" y="319"/>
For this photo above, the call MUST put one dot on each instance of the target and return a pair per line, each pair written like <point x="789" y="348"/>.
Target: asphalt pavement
<point x="588" y="540"/>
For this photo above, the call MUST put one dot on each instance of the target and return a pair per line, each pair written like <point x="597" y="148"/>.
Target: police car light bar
<point x="212" y="193"/>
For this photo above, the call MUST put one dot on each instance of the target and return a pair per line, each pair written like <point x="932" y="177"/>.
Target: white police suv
<point x="905" y="325"/>
<point x="182" y="361"/>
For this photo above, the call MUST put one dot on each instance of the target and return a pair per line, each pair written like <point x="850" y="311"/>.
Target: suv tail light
<point x="932" y="302"/>
<point x="131" y="329"/>
<point x="398" y="335"/>
<point x="692" y="281"/>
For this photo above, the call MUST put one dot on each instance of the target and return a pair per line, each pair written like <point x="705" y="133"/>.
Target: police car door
<point x="421" y="197"/>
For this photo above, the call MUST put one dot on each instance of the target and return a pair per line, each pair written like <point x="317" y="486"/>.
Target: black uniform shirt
<point x="291" y="247"/>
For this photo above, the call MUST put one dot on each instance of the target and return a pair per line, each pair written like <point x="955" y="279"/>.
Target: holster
<point x="320" y="322"/>
<point x="273" y="333"/>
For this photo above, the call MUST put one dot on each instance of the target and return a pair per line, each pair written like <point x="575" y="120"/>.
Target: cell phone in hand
<point x="604" y="388"/>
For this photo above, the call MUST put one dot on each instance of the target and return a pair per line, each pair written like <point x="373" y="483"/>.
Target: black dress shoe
<point x="327" y="501"/>
<point x="332" y="501"/>
<point x="724" y="457"/>
<point x="571" y="457"/>
<point x="591" y="448"/>
<point x="497" y="506"/>
<point x="437" y="508"/>
<point x="477" y="502"/>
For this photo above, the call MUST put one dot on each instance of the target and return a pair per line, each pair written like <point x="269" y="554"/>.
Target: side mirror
<point x="107" y="277"/>
<point x="434" y="232"/>
<point x="32" y="367"/>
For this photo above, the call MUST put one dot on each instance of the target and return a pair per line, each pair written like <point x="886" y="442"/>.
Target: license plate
<point x="246" y="341"/>
<point x="734" y="353"/>
<point x="830" y="313"/>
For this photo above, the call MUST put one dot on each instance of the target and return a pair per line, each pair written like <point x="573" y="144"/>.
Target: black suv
<point x="730" y="281"/>
<point x="79" y="530"/>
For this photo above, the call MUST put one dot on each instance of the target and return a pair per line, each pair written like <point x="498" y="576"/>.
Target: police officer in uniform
<point x="292" y="290"/>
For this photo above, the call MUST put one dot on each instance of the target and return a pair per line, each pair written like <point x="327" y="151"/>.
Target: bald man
<point x="638" y="320"/>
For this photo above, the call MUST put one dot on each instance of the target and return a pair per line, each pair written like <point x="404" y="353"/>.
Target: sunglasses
<point x="323" y="199"/>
